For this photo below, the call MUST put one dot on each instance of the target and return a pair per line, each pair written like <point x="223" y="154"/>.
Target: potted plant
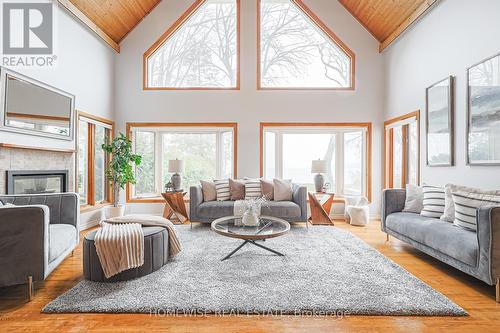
<point x="120" y="170"/>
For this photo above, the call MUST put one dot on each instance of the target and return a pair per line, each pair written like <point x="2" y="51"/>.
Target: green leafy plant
<point x="120" y="171"/>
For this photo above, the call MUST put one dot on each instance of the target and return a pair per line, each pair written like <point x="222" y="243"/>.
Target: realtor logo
<point x="27" y="28"/>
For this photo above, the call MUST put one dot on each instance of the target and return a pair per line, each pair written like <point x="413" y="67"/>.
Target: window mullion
<point x="218" y="154"/>
<point x="279" y="155"/>
<point x="91" y="156"/>
<point x="158" y="162"/>
<point x="339" y="157"/>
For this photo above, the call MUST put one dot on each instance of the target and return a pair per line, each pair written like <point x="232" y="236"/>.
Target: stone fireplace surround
<point x="32" y="159"/>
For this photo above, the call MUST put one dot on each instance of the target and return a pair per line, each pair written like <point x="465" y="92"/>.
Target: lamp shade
<point x="318" y="166"/>
<point x="176" y="166"/>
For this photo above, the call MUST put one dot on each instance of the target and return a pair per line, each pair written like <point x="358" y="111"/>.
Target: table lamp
<point x="176" y="166"/>
<point x="319" y="167"/>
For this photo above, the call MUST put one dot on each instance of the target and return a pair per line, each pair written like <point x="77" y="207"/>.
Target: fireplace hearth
<point x="37" y="182"/>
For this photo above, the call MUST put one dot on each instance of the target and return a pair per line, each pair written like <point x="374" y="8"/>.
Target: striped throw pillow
<point x="252" y="189"/>
<point x="434" y="200"/>
<point x="223" y="190"/>
<point x="467" y="204"/>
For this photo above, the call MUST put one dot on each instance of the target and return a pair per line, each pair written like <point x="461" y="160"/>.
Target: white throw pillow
<point x="222" y="189"/>
<point x="433" y="201"/>
<point x="252" y="189"/>
<point x="449" y="205"/>
<point x="414" y="199"/>
<point x="467" y="204"/>
<point x="209" y="190"/>
<point x="283" y="190"/>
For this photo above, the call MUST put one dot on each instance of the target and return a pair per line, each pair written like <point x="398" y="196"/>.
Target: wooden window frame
<point x="229" y="125"/>
<point x="109" y="195"/>
<point x="171" y="30"/>
<point x="326" y="30"/>
<point x="389" y="149"/>
<point x="362" y="125"/>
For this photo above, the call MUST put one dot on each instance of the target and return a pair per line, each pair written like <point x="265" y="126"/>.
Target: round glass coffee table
<point x="269" y="227"/>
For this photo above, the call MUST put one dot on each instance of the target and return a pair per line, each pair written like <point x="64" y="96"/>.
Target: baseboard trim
<point x="88" y="225"/>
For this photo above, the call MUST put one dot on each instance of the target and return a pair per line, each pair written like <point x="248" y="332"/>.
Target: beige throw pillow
<point x="267" y="187"/>
<point x="208" y="189"/>
<point x="237" y="189"/>
<point x="283" y="190"/>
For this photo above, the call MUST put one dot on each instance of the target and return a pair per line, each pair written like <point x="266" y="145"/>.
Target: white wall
<point x="453" y="36"/>
<point x="248" y="106"/>
<point x="85" y="68"/>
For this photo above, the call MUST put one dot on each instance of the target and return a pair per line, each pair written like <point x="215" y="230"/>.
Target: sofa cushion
<point x="439" y="235"/>
<point x="214" y="209"/>
<point x="61" y="238"/>
<point x="281" y="209"/>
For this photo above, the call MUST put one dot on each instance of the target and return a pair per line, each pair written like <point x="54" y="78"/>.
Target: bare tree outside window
<point x="296" y="53"/>
<point x="202" y="53"/>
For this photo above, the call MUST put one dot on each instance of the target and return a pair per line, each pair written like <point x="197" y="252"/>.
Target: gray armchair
<point x="36" y="235"/>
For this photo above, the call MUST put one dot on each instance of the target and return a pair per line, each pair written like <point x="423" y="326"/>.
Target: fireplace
<point x="37" y="182"/>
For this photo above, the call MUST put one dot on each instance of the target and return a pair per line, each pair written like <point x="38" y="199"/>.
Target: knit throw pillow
<point x="434" y="199"/>
<point x="222" y="189"/>
<point x="252" y="189"/>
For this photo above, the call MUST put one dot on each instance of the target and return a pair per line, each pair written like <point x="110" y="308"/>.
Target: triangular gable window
<point x="200" y="51"/>
<point x="298" y="51"/>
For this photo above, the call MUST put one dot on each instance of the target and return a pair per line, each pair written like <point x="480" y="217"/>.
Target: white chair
<point x="357" y="211"/>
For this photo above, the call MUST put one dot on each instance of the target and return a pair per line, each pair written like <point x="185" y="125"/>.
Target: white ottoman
<point x="357" y="211"/>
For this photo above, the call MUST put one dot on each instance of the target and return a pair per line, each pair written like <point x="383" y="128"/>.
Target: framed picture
<point x="440" y="123"/>
<point x="483" y="112"/>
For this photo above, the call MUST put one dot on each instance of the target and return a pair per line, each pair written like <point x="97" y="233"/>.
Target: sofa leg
<point x="29" y="282"/>
<point x="386" y="237"/>
<point x="73" y="253"/>
<point x="498" y="290"/>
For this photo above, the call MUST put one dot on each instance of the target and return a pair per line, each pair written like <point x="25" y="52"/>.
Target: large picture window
<point x="93" y="187"/>
<point x="200" y="51"/>
<point x="208" y="152"/>
<point x="297" y="50"/>
<point x="402" y="151"/>
<point x="289" y="149"/>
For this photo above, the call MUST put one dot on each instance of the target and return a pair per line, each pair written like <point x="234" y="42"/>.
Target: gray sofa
<point x="206" y="212"/>
<point x="35" y="239"/>
<point x="474" y="253"/>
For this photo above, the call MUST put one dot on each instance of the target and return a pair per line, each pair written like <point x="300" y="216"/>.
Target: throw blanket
<point x="120" y="241"/>
<point x="119" y="247"/>
<point x="240" y="206"/>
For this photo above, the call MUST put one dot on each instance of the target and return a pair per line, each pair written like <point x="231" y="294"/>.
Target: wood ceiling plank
<point x="387" y="19"/>
<point x="421" y="10"/>
<point x="115" y="17"/>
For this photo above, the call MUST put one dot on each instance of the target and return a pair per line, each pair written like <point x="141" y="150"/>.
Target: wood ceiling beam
<point x="418" y="13"/>
<point x="88" y="22"/>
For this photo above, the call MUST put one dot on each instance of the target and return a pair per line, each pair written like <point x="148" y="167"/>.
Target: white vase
<point x="250" y="218"/>
<point x="110" y="212"/>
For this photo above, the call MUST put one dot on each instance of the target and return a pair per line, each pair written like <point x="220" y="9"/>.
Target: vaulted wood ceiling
<point x="114" y="19"/>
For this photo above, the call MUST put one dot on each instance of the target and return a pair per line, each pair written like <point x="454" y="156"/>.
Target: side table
<point x="174" y="205"/>
<point x="321" y="205"/>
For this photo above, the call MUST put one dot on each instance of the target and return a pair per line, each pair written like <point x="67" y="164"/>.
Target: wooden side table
<point x="321" y="205"/>
<point x="174" y="205"/>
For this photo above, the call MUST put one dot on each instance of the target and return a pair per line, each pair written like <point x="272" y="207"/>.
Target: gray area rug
<point x="326" y="270"/>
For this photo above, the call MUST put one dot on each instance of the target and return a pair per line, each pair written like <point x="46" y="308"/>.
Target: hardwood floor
<point x="474" y="296"/>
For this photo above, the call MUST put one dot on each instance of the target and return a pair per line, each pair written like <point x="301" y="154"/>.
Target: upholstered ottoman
<point x="155" y="256"/>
